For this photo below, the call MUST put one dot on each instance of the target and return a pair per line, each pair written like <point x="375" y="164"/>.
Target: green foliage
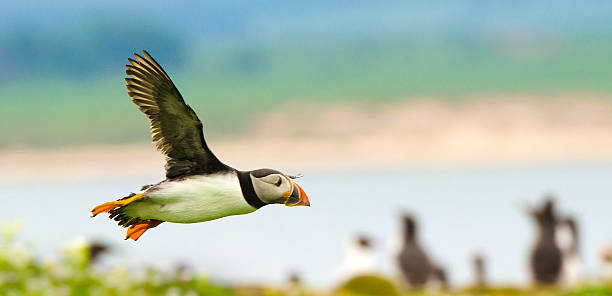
<point x="605" y="290"/>
<point x="368" y="285"/>
<point x="21" y="274"/>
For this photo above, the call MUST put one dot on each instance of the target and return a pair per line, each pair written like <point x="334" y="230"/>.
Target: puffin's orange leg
<point x="111" y="205"/>
<point x="137" y="230"/>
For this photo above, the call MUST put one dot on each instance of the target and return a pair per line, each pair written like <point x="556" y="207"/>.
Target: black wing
<point x="175" y="128"/>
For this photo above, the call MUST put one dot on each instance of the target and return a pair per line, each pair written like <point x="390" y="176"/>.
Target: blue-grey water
<point x="461" y="211"/>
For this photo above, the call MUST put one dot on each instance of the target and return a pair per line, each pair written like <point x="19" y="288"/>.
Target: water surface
<point x="460" y="211"/>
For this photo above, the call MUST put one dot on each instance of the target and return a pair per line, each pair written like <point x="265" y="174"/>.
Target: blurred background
<point x="462" y="113"/>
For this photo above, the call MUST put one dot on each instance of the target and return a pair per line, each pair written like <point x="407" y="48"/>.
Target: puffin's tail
<point x="136" y="226"/>
<point x="108" y="207"/>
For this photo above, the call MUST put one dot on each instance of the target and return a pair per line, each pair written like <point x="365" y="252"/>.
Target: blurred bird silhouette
<point x="294" y="286"/>
<point x="359" y="258"/>
<point x="480" y="270"/>
<point x="546" y="258"/>
<point x="183" y="273"/>
<point x="572" y="270"/>
<point x="96" y="250"/>
<point x="606" y="263"/>
<point x="412" y="259"/>
<point x="360" y="273"/>
<point x="294" y="279"/>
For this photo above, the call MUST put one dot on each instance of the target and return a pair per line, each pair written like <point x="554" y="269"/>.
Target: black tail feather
<point x="123" y="219"/>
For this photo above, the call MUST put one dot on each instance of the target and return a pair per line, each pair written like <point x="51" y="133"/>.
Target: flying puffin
<point x="198" y="187"/>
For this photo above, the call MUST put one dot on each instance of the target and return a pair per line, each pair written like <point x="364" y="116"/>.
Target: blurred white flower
<point x="76" y="252"/>
<point x="39" y="284"/>
<point x="10" y="229"/>
<point x="119" y="278"/>
<point x="173" y="291"/>
<point x="55" y="270"/>
<point x="153" y="277"/>
<point x="20" y="256"/>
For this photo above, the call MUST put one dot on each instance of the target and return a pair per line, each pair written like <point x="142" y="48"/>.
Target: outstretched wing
<point x="175" y="128"/>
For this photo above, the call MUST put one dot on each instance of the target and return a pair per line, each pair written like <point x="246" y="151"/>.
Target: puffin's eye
<point x="279" y="182"/>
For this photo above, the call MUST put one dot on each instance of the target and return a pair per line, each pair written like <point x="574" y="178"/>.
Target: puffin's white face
<point x="274" y="187"/>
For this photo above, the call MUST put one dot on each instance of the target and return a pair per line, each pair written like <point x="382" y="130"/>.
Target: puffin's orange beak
<point x="298" y="197"/>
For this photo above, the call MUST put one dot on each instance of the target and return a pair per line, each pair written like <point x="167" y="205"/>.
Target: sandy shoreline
<point x="510" y="130"/>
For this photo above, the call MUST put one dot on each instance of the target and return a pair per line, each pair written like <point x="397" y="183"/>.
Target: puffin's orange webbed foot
<point x="111" y="205"/>
<point x="137" y="230"/>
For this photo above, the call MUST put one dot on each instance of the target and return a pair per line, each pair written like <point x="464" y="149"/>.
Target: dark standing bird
<point x="198" y="187"/>
<point x="413" y="261"/>
<point x="546" y="259"/>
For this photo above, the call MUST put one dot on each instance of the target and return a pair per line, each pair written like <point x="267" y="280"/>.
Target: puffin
<point x="546" y="258"/>
<point x="413" y="261"/>
<point x="480" y="270"/>
<point x="198" y="186"/>
<point x="359" y="258"/>
<point x="96" y="250"/>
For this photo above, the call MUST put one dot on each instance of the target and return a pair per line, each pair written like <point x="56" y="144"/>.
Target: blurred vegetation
<point x="368" y="285"/>
<point x="22" y="273"/>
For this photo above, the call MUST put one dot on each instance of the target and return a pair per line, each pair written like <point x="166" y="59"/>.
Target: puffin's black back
<point x="546" y="256"/>
<point x="413" y="261"/>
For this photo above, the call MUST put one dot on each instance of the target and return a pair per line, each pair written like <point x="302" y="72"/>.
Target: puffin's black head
<point x="96" y="249"/>
<point x="546" y="216"/>
<point x="274" y="187"/>
<point x="364" y="242"/>
<point x="409" y="227"/>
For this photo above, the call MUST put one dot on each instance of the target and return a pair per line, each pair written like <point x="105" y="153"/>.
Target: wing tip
<point x="144" y="53"/>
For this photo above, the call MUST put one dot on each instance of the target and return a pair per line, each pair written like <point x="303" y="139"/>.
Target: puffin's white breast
<point x="194" y="199"/>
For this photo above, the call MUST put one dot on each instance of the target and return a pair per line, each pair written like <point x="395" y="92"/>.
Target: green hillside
<point x="229" y="84"/>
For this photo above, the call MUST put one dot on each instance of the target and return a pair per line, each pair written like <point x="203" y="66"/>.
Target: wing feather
<point x="176" y="130"/>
